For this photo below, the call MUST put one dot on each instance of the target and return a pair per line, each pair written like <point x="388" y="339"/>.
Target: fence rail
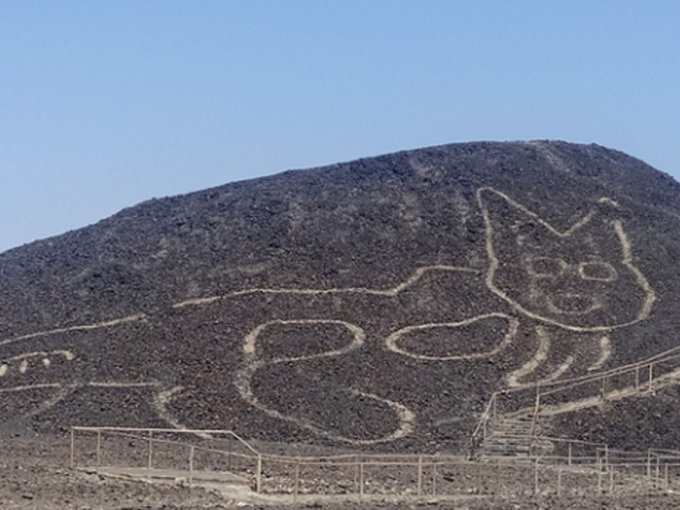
<point x="554" y="397"/>
<point x="222" y="456"/>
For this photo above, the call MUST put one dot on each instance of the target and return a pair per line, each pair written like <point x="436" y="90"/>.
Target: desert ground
<point x="35" y="474"/>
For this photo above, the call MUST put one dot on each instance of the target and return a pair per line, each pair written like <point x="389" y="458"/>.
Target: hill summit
<point x="378" y="303"/>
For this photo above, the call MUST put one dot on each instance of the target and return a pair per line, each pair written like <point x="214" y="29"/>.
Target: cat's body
<point x="542" y="310"/>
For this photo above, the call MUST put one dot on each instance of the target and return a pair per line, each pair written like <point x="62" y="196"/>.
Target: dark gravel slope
<point x="376" y="303"/>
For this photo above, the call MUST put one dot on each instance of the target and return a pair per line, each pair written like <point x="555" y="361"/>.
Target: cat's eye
<point x="544" y="267"/>
<point x="598" y="271"/>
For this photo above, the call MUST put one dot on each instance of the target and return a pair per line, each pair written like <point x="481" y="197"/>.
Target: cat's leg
<point x="561" y="356"/>
<point x="303" y="372"/>
<point x="45" y="376"/>
<point x="475" y="338"/>
<point x="31" y="379"/>
<point x="451" y="369"/>
<point x="524" y="375"/>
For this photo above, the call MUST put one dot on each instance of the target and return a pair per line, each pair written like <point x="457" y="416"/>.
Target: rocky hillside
<point x="376" y="303"/>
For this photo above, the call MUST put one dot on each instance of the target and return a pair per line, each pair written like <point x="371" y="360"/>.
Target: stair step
<point x="514" y="436"/>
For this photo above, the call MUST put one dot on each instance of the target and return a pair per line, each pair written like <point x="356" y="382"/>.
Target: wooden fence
<point x="545" y="399"/>
<point x="217" y="456"/>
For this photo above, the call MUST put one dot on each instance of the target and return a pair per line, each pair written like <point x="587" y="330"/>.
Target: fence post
<point x="72" y="462"/>
<point x="479" y="477"/>
<point x="665" y="476"/>
<point x="356" y="474"/>
<point x="559" y="482"/>
<point x="297" y="479"/>
<point x="599" y="481"/>
<point x="569" y="453"/>
<point x="606" y="457"/>
<point x="258" y="474"/>
<point x="99" y="449"/>
<point x="191" y="464"/>
<point x="361" y="478"/>
<point x="231" y="451"/>
<point x="497" y="491"/>
<point x="637" y="376"/>
<point x="420" y="475"/>
<point x="150" y="459"/>
<point x="649" y="464"/>
<point x="434" y="477"/>
<point x="537" y="408"/>
<point x="536" y="487"/>
<point x="651" y="377"/>
<point x="658" y="461"/>
<point x="611" y="482"/>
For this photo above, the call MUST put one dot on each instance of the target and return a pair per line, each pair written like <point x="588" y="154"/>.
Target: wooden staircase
<point x="511" y="425"/>
<point x="514" y="436"/>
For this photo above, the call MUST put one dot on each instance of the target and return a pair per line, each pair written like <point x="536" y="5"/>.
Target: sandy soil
<point x="34" y="474"/>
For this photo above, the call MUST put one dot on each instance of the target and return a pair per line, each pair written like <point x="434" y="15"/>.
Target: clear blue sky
<point x="104" y="104"/>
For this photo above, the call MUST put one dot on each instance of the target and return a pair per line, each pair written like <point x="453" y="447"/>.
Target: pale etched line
<point x="605" y="354"/>
<point x="650" y="296"/>
<point x="94" y="384"/>
<point x="563" y="234"/>
<point x="541" y="354"/>
<point x="31" y="387"/>
<point x="417" y="275"/>
<point x="392" y="341"/>
<point x="82" y="327"/>
<point x="123" y="384"/>
<point x="62" y="392"/>
<point x="358" y="339"/>
<point x="405" y="416"/>
<point x="553" y="387"/>
<point x="68" y="355"/>
<point x="243" y="379"/>
<point x="557" y="162"/>
<point x="47" y="404"/>
<point x="553" y="376"/>
<point x="595" y="304"/>
<point x="612" y="275"/>
<point x="668" y="379"/>
<point x="494" y="263"/>
<point x="160" y="405"/>
<point x="160" y="399"/>
<point x="450" y="420"/>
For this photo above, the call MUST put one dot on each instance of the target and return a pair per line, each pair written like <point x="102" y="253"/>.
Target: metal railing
<point x="574" y="468"/>
<point x="553" y="397"/>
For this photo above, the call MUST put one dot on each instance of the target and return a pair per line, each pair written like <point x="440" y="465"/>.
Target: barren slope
<point x="376" y="303"/>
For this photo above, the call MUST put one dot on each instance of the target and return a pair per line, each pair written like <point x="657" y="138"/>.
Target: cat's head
<point x="582" y="278"/>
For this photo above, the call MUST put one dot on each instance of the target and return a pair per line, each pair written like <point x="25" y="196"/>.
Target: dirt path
<point x="34" y="474"/>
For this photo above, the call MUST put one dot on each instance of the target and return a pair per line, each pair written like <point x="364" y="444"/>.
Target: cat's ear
<point x="506" y="218"/>
<point x="510" y="223"/>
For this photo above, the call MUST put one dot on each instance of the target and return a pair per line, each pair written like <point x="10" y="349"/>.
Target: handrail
<point x="554" y="387"/>
<point x="484" y="418"/>
<point x="596" y="376"/>
<point x="167" y="430"/>
<point x="652" y="467"/>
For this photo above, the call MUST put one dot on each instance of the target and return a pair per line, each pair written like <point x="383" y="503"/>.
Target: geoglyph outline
<point x="627" y="260"/>
<point x="407" y="418"/>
